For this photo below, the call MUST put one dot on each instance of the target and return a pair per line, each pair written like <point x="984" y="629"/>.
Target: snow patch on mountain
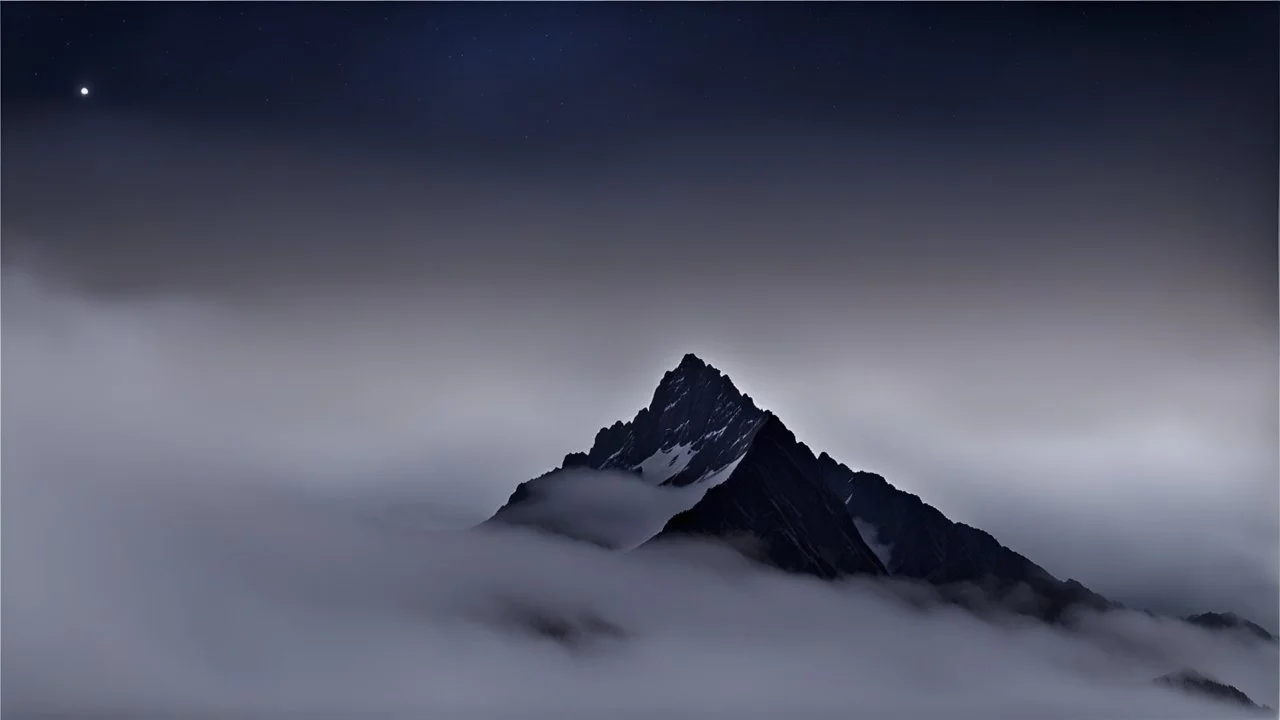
<point x="675" y="402"/>
<point x="665" y="463"/>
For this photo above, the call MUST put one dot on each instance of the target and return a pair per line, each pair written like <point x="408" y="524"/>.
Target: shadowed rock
<point x="776" y="496"/>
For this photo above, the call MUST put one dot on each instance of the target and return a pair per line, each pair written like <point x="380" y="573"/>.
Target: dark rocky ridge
<point x="797" y="511"/>
<point x="776" y="497"/>
<point x="925" y="545"/>
<point x="695" y="405"/>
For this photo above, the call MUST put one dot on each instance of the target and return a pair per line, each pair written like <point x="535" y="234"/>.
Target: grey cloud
<point x="1094" y="453"/>
<point x="181" y="535"/>
<point x="228" y="596"/>
<point x="1078" y="357"/>
<point x="611" y="508"/>
<point x="179" y="578"/>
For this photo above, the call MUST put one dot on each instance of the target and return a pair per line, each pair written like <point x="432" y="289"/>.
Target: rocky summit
<point x="741" y="476"/>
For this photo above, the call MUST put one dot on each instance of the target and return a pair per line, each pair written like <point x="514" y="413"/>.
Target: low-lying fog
<point x="153" y="569"/>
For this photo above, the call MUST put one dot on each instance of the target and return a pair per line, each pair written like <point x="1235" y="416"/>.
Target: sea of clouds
<point x="159" y="563"/>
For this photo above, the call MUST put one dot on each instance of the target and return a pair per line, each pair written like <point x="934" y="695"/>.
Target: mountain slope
<point x="921" y="543"/>
<point x="776" y="498"/>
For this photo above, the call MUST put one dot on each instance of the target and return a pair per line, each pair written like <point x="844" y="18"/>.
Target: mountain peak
<point x="691" y="368"/>
<point x="695" y="377"/>
<point x="691" y="373"/>
<point x="694" y="430"/>
<point x="691" y="361"/>
<point x="696" y="423"/>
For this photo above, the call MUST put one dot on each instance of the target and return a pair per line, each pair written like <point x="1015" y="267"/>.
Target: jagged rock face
<point x="918" y="541"/>
<point x="777" y="496"/>
<point x="694" y="430"/>
<point x="764" y="485"/>
<point x="696" y="423"/>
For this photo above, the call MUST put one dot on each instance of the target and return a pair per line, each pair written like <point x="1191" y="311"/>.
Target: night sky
<point x="571" y="78"/>
<point x="980" y="96"/>
<point x="1020" y="258"/>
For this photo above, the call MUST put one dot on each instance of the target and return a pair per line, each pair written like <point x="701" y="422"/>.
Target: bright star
<point x="84" y="91"/>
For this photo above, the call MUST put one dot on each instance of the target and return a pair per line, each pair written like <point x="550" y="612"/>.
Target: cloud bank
<point x="159" y="560"/>
<point x="608" y="507"/>
<point x="1073" y="348"/>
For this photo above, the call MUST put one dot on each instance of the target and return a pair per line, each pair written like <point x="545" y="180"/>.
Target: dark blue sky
<point x="566" y="75"/>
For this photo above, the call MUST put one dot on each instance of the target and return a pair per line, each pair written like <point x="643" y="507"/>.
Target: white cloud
<point x="164" y="554"/>
<point x="609" y="507"/>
